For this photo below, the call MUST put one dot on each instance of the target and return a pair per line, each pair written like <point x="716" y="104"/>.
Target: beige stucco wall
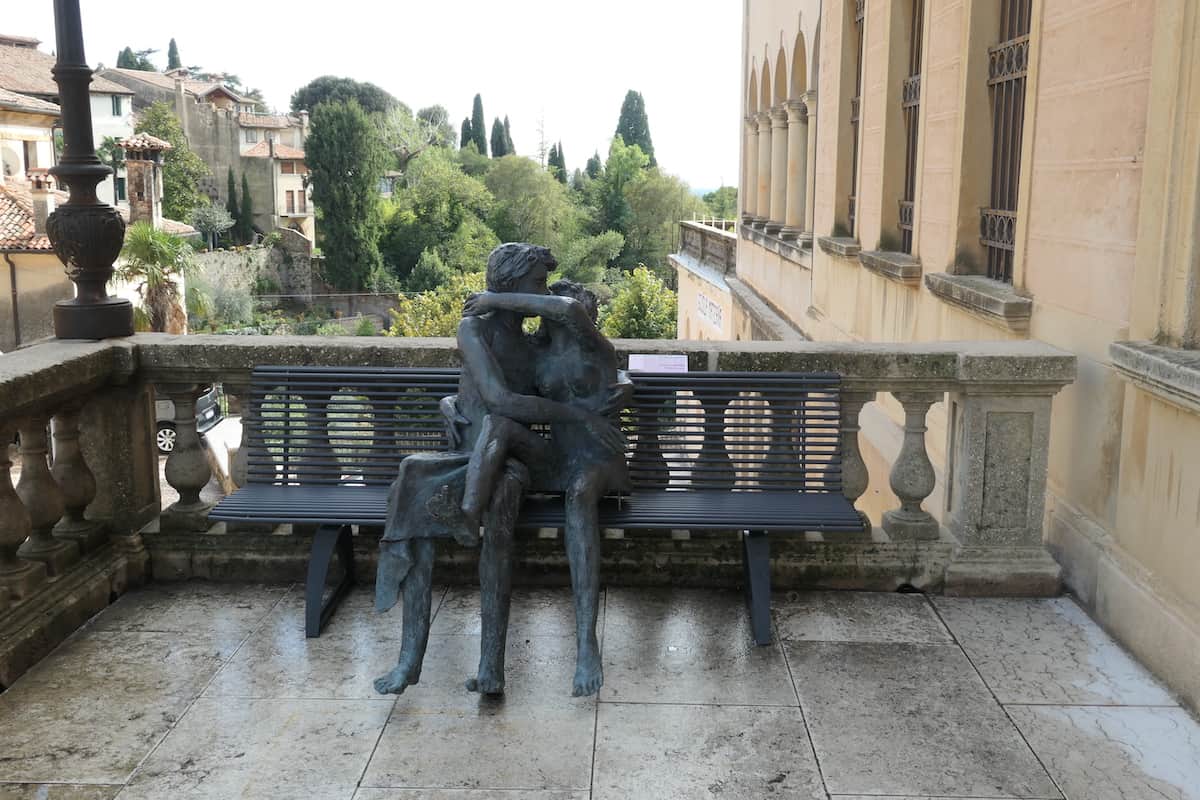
<point x="41" y="282"/>
<point x="705" y="308"/>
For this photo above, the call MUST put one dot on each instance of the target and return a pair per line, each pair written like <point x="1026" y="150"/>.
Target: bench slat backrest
<point x="687" y="431"/>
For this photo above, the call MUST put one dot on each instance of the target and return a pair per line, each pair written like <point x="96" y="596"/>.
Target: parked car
<point x="208" y="414"/>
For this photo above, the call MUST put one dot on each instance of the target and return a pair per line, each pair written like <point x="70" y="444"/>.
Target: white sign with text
<point x="658" y="362"/>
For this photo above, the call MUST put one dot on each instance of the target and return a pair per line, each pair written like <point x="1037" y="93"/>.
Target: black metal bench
<point x="751" y="452"/>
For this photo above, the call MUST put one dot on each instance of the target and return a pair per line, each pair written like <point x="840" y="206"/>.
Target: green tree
<point x="140" y="60"/>
<point x="212" y="221"/>
<point x="245" y="221"/>
<point x="154" y="261"/>
<point x="722" y="203"/>
<point x="110" y="153"/>
<point x="182" y="169"/>
<point x="429" y="273"/>
<point x="407" y="136"/>
<point x="472" y="162"/>
<point x="657" y="203"/>
<point x="633" y="126"/>
<point x="594" y="166"/>
<point x="231" y="204"/>
<point x="499" y="145"/>
<point x="584" y="259"/>
<point x="346" y="158"/>
<point x="531" y="206"/>
<point x="332" y="89"/>
<point x="435" y="313"/>
<point x="479" y="126"/>
<point x="429" y="210"/>
<point x="435" y="123"/>
<point x="642" y="308"/>
<point x="465" y="135"/>
<point x="173" y="61"/>
<point x="625" y="163"/>
<point x="508" y="144"/>
<point x="557" y="163"/>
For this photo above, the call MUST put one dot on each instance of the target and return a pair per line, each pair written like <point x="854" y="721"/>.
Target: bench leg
<point x="328" y="539"/>
<point x="756" y="558"/>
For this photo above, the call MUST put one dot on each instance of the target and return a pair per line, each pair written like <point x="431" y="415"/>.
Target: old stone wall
<point x="215" y="136"/>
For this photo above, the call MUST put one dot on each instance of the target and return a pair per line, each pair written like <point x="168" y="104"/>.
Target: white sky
<point x="567" y="61"/>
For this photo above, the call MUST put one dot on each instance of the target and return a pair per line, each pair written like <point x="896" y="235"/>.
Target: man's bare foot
<point x="400" y="678"/>
<point x="486" y="683"/>
<point x="589" y="674"/>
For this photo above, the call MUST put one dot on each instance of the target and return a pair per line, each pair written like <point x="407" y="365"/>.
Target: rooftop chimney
<point x="303" y="127"/>
<point x="40" y="185"/>
<point x="143" y="169"/>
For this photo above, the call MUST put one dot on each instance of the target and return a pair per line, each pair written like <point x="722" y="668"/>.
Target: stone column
<point x="797" y="170"/>
<point x="18" y="577"/>
<point x="750" y="171"/>
<point x="999" y="441"/>
<point x="912" y="477"/>
<point x="763" y="204"/>
<point x="855" y="476"/>
<point x="43" y="500"/>
<point x="810" y="184"/>
<point x="76" y="481"/>
<point x="187" y="468"/>
<point x="779" y="169"/>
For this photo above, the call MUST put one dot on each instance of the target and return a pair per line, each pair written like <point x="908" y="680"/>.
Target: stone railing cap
<point x="1169" y="372"/>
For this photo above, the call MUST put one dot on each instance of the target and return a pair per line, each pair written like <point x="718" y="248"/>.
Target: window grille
<point x="860" y="13"/>
<point x="910" y="101"/>
<point x="1007" y="67"/>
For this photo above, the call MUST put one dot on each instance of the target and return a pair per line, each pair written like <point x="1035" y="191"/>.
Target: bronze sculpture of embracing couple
<point x="564" y="376"/>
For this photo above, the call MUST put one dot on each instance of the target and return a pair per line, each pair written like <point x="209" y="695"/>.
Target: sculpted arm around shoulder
<point x="492" y="387"/>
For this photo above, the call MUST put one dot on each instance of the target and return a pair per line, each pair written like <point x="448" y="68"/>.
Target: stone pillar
<point x="750" y="171"/>
<point x="999" y="443"/>
<point x="912" y="477"/>
<point x="76" y="481"/>
<point x="797" y="170"/>
<point x="43" y="500"/>
<point x="187" y="468"/>
<point x="810" y="185"/>
<point x="855" y="476"/>
<point x="18" y="577"/>
<point x="763" y="205"/>
<point x="779" y="169"/>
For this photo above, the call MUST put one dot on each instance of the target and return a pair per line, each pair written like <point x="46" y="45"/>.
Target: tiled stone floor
<point x="212" y="691"/>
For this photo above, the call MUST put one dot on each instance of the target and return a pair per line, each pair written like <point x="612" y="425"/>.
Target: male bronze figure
<point x="565" y="375"/>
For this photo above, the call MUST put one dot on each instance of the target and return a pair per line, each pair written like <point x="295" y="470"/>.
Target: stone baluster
<point x="76" y="481"/>
<point x="187" y="468"/>
<point x="855" y="476"/>
<point x="43" y="500"/>
<point x="912" y="477"/>
<point x="714" y="452"/>
<point x="18" y="577"/>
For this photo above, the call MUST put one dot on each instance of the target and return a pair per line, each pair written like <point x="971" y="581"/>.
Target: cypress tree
<point x="562" y="164"/>
<point x="246" y="220"/>
<point x="508" y="145"/>
<point x="466" y="135"/>
<point x="126" y="59"/>
<point x="633" y="126"/>
<point x="479" y="126"/>
<point x="231" y="204"/>
<point x="173" y="61"/>
<point x="594" y="165"/>
<point x="499" y="149"/>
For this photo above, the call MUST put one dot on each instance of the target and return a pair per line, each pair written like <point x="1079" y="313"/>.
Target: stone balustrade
<point x="88" y="513"/>
<point x="710" y="243"/>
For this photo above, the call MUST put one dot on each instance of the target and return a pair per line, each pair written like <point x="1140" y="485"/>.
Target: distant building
<point x="226" y="131"/>
<point x="25" y="70"/>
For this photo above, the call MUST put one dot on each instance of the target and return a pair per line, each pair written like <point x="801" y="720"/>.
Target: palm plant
<point x="155" y="261"/>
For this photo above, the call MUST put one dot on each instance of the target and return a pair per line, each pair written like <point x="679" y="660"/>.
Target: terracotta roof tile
<point x="27" y="71"/>
<point x="282" y="152"/>
<point x="265" y="120"/>
<point x="23" y="102"/>
<point x="144" y="141"/>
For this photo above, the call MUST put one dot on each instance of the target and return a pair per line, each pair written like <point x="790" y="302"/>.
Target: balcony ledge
<point x="992" y="300"/>
<point x="898" y="267"/>
<point x="1169" y="373"/>
<point x="791" y="250"/>
<point x="844" y="246"/>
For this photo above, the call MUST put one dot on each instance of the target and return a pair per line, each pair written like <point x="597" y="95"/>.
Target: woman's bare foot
<point x="400" y="678"/>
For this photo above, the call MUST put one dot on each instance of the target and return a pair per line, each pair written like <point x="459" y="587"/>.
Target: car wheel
<point x="165" y="438"/>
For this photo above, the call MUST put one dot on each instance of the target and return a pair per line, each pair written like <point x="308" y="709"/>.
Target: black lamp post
<point x="86" y="234"/>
